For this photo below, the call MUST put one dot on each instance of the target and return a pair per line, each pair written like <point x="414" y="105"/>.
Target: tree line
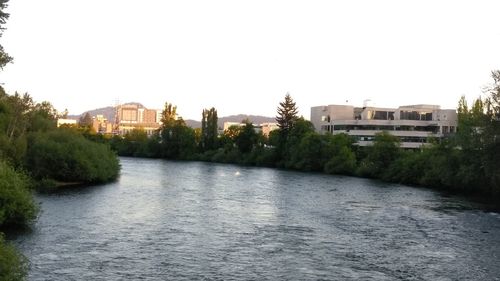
<point x="466" y="162"/>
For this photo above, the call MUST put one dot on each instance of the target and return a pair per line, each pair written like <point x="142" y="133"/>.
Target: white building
<point x="413" y="124"/>
<point x="264" y="128"/>
<point x="62" y="121"/>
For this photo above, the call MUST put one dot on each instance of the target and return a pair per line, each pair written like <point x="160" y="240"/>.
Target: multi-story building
<point x="413" y="124"/>
<point x="67" y="122"/>
<point x="267" y="128"/>
<point x="133" y="116"/>
<point x="264" y="128"/>
<point x="101" y="124"/>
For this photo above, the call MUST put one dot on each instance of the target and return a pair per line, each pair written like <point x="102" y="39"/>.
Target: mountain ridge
<point x="109" y="113"/>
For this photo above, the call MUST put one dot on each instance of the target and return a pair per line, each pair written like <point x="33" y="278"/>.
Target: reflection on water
<point x="186" y="220"/>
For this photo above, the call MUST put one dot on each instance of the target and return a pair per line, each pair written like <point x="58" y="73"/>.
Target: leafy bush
<point x="16" y="202"/>
<point x="64" y="155"/>
<point x="13" y="266"/>
<point x="344" y="162"/>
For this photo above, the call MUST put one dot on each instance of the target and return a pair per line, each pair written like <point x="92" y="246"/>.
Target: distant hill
<point x="256" y="119"/>
<point x="109" y="113"/>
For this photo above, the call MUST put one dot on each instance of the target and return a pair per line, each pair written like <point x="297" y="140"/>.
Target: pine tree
<point x="287" y="114"/>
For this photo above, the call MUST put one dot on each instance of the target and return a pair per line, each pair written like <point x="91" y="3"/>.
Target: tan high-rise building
<point x="133" y="116"/>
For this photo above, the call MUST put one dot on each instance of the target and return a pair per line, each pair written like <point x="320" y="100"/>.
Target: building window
<point x="415" y="115"/>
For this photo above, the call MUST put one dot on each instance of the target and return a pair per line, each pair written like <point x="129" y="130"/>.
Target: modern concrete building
<point x="413" y="124"/>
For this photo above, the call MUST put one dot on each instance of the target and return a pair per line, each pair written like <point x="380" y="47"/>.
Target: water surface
<point x="168" y="220"/>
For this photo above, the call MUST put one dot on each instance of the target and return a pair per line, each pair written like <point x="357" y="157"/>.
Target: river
<point x="165" y="220"/>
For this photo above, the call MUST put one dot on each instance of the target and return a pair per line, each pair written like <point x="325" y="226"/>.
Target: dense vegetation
<point x="67" y="156"/>
<point x="16" y="204"/>
<point x="465" y="162"/>
<point x="13" y="266"/>
<point x="33" y="152"/>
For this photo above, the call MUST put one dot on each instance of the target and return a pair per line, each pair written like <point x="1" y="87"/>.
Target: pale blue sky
<point x="243" y="56"/>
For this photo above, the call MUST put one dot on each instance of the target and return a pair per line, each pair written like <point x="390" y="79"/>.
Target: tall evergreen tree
<point x="287" y="114"/>
<point x="287" y="117"/>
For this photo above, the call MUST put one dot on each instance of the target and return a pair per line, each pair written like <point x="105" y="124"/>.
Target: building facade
<point x="133" y="116"/>
<point x="413" y="124"/>
<point x="64" y="121"/>
<point x="264" y="128"/>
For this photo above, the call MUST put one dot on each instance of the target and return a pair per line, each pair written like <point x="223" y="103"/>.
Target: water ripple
<point x="196" y="221"/>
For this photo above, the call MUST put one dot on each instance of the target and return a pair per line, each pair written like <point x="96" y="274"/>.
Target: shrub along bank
<point x="33" y="152"/>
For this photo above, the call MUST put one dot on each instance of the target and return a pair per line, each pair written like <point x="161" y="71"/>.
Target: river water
<point x="166" y="220"/>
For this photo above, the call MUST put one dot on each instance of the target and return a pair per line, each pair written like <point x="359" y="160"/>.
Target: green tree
<point x="16" y="203"/>
<point x="492" y="136"/>
<point x="65" y="155"/>
<point x="178" y="141"/>
<point x="13" y="265"/>
<point x="168" y="115"/>
<point x="209" y="129"/>
<point x="4" y="57"/>
<point x="286" y="119"/>
<point x="86" y="120"/>
<point x="381" y="154"/>
<point x="287" y="114"/>
<point x="341" y="158"/>
<point x="247" y="137"/>
<point x="291" y="144"/>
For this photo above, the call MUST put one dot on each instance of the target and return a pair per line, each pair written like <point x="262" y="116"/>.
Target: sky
<point x="244" y="56"/>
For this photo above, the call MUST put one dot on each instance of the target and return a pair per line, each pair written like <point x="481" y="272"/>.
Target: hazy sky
<point x="243" y="56"/>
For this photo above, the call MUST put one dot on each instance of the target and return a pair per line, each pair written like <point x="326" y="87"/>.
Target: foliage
<point x="209" y="135"/>
<point x="85" y="120"/>
<point x="287" y="114"/>
<point x="65" y="155"/>
<point x="178" y="141"/>
<point x="341" y="158"/>
<point x="4" y="57"/>
<point x="16" y="203"/>
<point x="381" y="154"/>
<point x="13" y="265"/>
<point x="286" y="119"/>
<point x="246" y="139"/>
<point x="168" y="115"/>
<point x="20" y="115"/>
<point x="287" y="145"/>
